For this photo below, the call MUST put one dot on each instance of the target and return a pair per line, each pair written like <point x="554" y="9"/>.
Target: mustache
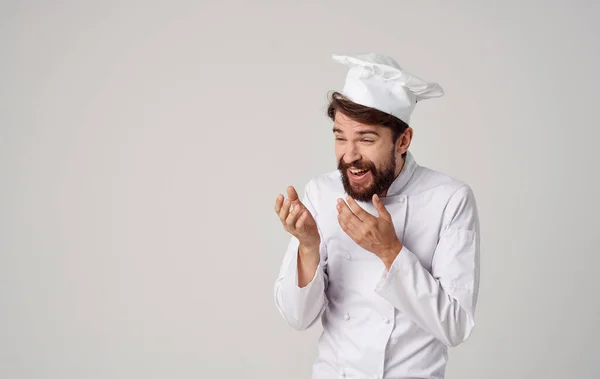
<point x="361" y="165"/>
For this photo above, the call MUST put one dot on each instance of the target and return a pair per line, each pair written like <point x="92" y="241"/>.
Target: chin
<point x="359" y="191"/>
<point x="361" y="194"/>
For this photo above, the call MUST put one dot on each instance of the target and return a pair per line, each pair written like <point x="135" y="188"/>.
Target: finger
<point x="302" y="219"/>
<point x="278" y="203"/>
<point x="343" y="223"/>
<point x="285" y="210"/>
<point x="292" y="194"/>
<point x="357" y="209"/>
<point x="347" y="216"/>
<point x="293" y="197"/>
<point x="383" y="213"/>
<point x="347" y="227"/>
<point x="292" y="217"/>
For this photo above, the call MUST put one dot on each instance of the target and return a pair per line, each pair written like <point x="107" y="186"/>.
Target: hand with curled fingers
<point x="298" y="221"/>
<point x="374" y="234"/>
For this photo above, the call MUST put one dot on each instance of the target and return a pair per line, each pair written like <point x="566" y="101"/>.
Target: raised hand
<point x="375" y="234"/>
<point x="298" y="221"/>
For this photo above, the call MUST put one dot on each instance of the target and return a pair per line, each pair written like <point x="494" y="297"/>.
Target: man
<point x="384" y="251"/>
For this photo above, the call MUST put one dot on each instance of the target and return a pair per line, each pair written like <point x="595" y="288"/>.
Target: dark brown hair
<point x="365" y="115"/>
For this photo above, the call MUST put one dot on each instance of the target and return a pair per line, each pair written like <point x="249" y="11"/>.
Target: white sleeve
<point x="443" y="301"/>
<point x="301" y="307"/>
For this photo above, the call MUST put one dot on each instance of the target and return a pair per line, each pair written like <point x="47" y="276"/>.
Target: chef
<point x="383" y="251"/>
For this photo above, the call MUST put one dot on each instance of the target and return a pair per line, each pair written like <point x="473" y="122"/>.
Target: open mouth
<point x="357" y="174"/>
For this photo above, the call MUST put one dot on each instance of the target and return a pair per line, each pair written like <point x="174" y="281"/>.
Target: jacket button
<point x="348" y="256"/>
<point x="386" y="320"/>
<point x="347" y="316"/>
<point x="402" y="199"/>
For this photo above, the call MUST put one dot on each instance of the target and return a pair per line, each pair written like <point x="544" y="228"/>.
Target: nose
<point x="351" y="154"/>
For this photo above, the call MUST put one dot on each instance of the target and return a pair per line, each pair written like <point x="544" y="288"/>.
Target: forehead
<point x="346" y="125"/>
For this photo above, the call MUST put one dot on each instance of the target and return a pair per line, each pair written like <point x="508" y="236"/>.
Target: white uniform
<point x="395" y="324"/>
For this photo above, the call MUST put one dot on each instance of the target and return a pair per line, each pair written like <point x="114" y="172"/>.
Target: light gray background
<point x="142" y="145"/>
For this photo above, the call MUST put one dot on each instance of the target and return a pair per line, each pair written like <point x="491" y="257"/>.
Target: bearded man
<point x="384" y="251"/>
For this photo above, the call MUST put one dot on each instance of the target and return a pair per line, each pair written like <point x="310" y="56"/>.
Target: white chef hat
<point x="377" y="81"/>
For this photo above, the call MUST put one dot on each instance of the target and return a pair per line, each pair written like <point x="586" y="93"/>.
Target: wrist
<point x="308" y="255"/>
<point x="391" y="254"/>
<point x="308" y="249"/>
<point x="310" y="243"/>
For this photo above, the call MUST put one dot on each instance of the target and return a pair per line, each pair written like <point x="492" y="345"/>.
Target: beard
<point x="382" y="178"/>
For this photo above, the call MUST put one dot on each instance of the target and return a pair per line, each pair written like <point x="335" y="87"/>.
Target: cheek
<point x="339" y="152"/>
<point x="380" y="155"/>
<point x="371" y="154"/>
<point x="377" y="160"/>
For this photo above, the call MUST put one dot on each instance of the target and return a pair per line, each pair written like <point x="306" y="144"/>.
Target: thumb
<point x="383" y="213"/>
<point x="293" y="196"/>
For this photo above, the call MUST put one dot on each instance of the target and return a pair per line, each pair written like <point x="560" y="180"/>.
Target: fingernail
<point x="376" y="197"/>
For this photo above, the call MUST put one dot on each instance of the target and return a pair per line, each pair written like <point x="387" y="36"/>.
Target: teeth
<point x="356" y="172"/>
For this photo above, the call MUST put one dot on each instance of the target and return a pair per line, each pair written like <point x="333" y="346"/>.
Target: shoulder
<point x="455" y="196"/>
<point x="441" y="184"/>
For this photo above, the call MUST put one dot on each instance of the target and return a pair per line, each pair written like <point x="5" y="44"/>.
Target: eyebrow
<point x="362" y="132"/>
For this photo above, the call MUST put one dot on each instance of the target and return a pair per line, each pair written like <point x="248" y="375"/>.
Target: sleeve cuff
<point x="302" y="305"/>
<point x="291" y="284"/>
<point x="403" y="263"/>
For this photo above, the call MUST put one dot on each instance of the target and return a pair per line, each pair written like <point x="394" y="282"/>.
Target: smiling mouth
<point x="357" y="174"/>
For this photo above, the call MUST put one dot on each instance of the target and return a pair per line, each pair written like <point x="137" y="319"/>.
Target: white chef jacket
<point x="396" y="324"/>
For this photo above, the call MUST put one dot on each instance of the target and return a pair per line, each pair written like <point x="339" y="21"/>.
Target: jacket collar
<point x="398" y="185"/>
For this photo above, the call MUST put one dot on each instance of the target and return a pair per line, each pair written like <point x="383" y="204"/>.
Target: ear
<point x="403" y="142"/>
